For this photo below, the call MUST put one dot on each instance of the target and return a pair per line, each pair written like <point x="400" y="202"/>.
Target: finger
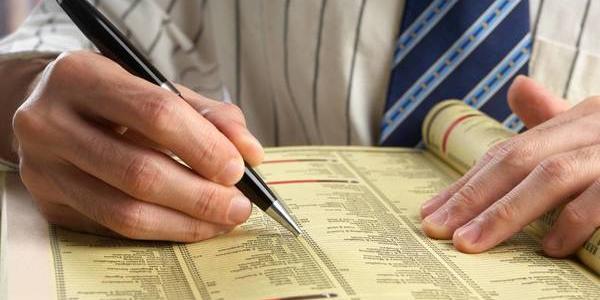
<point x="554" y="181"/>
<point x="49" y="200"/>
<point x="433" y="204"/>
<point x="576" y="223"/>
<point x="129" y="217"/>
<point x="511" y="163"/>
<point x="533" y="103"/>
<point x="153" y="177"/>
<point x="66" y="217"/>
<point x="229" y="119"/>
<point x="168" y="121"/>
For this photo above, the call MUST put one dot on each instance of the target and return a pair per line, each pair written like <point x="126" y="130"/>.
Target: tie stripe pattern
<point x="468" y="50"/>
<point x="499" y="76"/>
<point x="420" y="27"/>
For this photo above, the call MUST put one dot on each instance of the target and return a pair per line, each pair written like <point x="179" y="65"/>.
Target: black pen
<point x="114" y="45"/>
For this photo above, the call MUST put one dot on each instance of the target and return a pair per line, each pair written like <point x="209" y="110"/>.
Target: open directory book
<point x="359" y="209"/>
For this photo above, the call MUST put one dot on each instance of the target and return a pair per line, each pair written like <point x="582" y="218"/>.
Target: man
<point x="302" y="72"/>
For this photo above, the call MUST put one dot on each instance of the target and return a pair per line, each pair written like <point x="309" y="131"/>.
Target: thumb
<point x="533" y="103"/>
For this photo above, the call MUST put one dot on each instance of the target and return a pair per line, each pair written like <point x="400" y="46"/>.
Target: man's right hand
<point x="92" y="143"/>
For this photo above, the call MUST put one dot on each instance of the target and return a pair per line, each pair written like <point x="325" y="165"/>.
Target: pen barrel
<point x="253" y="187"/>
<point x="109" y="40"/>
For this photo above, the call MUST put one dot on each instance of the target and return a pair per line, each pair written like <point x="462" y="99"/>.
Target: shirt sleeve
<point x="47" y="29"/>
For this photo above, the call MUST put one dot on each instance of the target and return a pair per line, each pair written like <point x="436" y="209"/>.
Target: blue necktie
<point x="469" y="50"/>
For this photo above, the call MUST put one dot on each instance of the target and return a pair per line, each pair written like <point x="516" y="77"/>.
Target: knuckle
<point x="466" y="197"/>
<point x="500" y="149"/>
<point x="160" y="113"/>
<point x="128" y="220"/>
<point x="198" y="232"/>
<point x="232" y="109"/>
<point x="66" y="64"/>
<point x="141" y="176"/>
<point x="210" y="149"/>
<point x="555" y="170"/>
<point x="27" y="123"/>
<point x="505" y="212"/>
<point x="204" y="205"/>
<point x="68" y="60"/>
<point x="574" y="215"/>
<point x="516" y="157"/>
<point x="87" y="145"/>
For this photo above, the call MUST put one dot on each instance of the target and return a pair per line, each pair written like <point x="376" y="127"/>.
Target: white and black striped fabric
<point x="306" y="71"/>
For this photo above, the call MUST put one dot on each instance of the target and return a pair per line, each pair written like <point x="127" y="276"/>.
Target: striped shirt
<point x="306" y="71"/>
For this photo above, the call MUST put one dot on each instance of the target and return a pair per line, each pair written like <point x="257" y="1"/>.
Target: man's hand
<point x="92" y="143"/>
<point x="555" y="162"/>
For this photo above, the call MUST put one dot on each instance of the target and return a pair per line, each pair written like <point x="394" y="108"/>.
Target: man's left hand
<point x="555" y="162"/>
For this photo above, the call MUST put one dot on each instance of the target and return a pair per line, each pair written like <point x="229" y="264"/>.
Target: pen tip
<point x="280" y="214"/>
<point x="292" y="227"/>
<point x="295" y="229"/>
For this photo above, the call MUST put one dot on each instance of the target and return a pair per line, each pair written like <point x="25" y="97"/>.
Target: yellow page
<point x="461" y="135"/>
<point x="358" y="208"/>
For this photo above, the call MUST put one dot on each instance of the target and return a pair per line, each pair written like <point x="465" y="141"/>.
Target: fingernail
<point x="470" y="233"/>
<point x="553" y="243"/>
<point x="438" y="218"/>
<point x="232" y="172"/>
<point x="239" y="210"/>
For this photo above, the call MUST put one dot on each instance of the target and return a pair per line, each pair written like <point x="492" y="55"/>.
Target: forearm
<point x="18" y="74"/>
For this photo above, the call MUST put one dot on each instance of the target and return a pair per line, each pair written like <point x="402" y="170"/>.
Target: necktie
<point x="469" y="50"/>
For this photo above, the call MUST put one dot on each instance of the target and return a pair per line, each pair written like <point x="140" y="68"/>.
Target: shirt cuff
<point x="24" y="55"/>
<point x="6" y="166"/>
